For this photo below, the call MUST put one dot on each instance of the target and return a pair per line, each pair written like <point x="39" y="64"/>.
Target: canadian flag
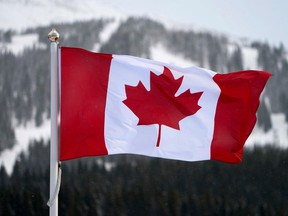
<point x="115" y="104"/>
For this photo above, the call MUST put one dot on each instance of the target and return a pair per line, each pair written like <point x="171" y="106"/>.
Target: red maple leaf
<point x="159" y="105"/>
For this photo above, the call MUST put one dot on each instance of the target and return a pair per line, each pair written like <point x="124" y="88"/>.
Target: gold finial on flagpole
<point x="53" y="35"/>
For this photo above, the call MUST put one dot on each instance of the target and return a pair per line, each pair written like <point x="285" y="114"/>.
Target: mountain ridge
<point x="24" y="75"/>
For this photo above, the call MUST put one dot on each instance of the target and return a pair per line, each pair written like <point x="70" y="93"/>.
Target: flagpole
<point x="53" y="36"/>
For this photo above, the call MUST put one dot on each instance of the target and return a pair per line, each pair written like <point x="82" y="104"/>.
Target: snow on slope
<point x="160" y="53"/>
<point x="19" y="15"/>
<point x="250" y="56"/>
<point x="23" y="137"/>
<point x="106" y="33"/>
<point x="21" y="42"/>
<point x="278" y="135"/>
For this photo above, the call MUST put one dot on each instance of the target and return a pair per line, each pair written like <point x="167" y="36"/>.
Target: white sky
<point x="264" y="20"/>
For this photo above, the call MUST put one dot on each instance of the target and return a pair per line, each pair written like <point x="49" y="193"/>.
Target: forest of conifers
<point x="138" y="185"/>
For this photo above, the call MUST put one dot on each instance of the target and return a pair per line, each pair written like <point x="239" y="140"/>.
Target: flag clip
<point x="51" y="201"/>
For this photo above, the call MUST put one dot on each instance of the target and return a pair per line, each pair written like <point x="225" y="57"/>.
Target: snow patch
<point x="107" y="164"/>
<point x="250" y="58"/>
<point x="160" y="53"/>
<point x="106" y="33"/>
<point x="249" y="55"/>
<point x="231" y="48"/>
<point x="21" y="42"/>
<point x="277" y="136"/>
<point x="24" y="134"/>
<point x="109" y="29"/>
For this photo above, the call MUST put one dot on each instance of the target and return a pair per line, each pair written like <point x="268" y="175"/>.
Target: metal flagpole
<point x="53" y="36"/>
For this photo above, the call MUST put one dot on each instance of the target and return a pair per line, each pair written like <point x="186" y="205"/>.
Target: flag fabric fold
<point x="117" y="104"/>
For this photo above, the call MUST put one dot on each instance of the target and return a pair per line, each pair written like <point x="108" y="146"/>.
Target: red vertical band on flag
<point x="84" y="82"/>
<point x="236" y="112"/>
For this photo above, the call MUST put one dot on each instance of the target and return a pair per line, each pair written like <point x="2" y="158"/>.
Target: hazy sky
<point x="266" y="20"/>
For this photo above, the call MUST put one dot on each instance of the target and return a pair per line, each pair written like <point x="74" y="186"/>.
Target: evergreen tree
<point x="236" y="60"/>
<point x="263" y="117"/>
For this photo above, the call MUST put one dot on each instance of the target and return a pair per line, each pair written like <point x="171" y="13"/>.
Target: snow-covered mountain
<point x="22" y="14"/>
<point x="161" y="41"/>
